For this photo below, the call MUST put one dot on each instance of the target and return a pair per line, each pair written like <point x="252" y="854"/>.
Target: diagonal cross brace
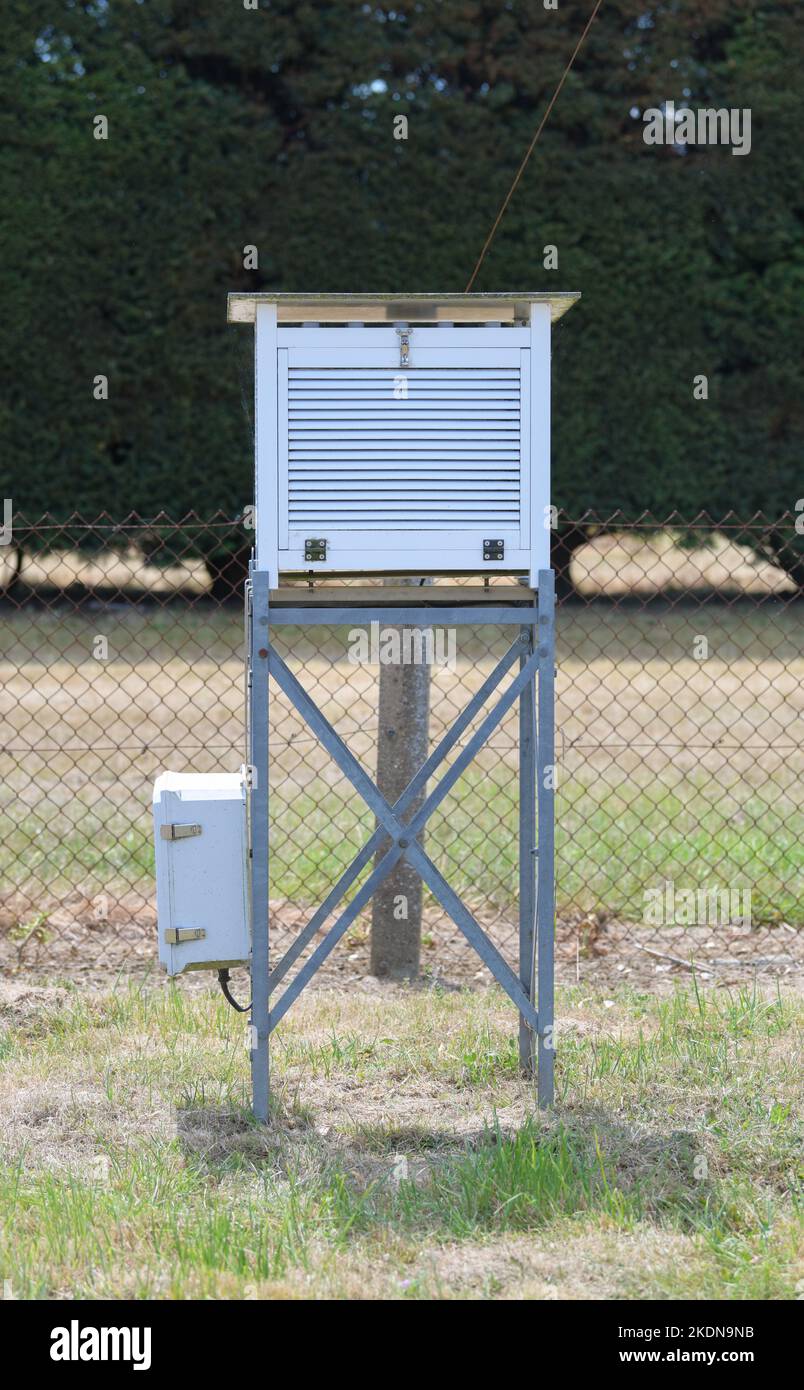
<point x="351" y="768"/>
<point x="334" y="744"/>
<point x="334" y="935"/>
<point x="473" y="932"/>
<point x="399" y="808"/>
<point x="400" y="834"/>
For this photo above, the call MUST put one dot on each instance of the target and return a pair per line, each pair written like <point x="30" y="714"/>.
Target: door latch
<point x="174" y="936"/>
<point x="179" y="832"/>
<point x="315" y="549"/>
<point x="404" y="346"/>
<point x="493" y="550"/>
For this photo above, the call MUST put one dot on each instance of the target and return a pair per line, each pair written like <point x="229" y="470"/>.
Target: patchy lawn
<point x="406" y="1158"/>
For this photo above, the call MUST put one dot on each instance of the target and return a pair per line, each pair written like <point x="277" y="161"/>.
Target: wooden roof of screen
<point x="399" y="308"/>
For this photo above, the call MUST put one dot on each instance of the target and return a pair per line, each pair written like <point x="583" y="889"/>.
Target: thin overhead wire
<point x="520" y="171"/>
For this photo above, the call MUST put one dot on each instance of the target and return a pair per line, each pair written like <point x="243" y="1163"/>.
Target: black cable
<point x="223" y="981"/>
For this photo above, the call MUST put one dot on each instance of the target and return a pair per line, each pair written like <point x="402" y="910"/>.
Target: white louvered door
<point x="403" y="467"/>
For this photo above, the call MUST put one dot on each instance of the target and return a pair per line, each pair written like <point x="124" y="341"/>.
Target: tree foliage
<point x="274" y="127"/>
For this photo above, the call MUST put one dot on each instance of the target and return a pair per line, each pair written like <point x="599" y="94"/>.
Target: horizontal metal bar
<point x="339" y="616"/>
<point x="409" y="795"/>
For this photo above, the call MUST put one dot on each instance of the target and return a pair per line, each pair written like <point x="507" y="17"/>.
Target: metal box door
<point x="401" y="467"/>
<point x="386" y="463"/>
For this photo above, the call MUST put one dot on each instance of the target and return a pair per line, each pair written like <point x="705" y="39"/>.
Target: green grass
<point x="405" y="1157"/>
<point x="614" y="840"/>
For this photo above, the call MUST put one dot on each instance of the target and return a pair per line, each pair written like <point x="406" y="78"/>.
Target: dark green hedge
<point x="230" y="127"/>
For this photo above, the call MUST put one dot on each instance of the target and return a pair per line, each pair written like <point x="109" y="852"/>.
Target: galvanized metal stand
<point x="533" y="651"/>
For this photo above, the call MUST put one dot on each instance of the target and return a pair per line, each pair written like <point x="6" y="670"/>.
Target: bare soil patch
<point x="69" y="941"/>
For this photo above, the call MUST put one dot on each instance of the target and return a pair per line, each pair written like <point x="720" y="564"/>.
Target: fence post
<point x="527" y="846"/>
<point x="545" y="793"/>
<point x="258" y="839"/>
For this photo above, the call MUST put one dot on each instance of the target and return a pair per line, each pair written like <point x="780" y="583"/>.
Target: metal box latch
<point x="175" y="935"/>
<point x="404" y="345"/>
<point x="179" y="832"/>
<point x="315" y="549"/>
<point x="493" y="550"/>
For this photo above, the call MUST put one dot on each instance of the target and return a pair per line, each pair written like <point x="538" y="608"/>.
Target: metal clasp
<point x="404" y="344"/>
<point x="174" y="936"/>
<point x="178" y="831"/>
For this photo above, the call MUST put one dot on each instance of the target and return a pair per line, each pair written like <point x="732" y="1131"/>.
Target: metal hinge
<point x="174" y="936"/>
<point x="315" y="549"/>
<point x="179" y="832"/>
<point x="493" y="550"/>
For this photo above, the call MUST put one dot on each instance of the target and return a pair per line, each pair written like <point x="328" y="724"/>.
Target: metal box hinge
<point x="174" y="936"/>
<point x="315" y="549"/>
<point x="179" y="832"/>
<point x="493" y="550"/>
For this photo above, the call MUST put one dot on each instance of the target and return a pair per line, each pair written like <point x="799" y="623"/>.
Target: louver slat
<point x="446" y="455"/>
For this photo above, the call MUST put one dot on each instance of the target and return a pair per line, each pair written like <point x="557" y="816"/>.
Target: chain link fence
<point x="680" y="714"/>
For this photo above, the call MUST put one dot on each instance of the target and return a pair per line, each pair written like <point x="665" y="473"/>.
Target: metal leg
<point x="258" y="819"/>
<point x="527" y="844"/>
<point x="533" y="997"/>
<point x="545" y="791"/>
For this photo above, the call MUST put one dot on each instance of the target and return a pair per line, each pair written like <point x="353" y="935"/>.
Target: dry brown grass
<point x="129" y="1166"/>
